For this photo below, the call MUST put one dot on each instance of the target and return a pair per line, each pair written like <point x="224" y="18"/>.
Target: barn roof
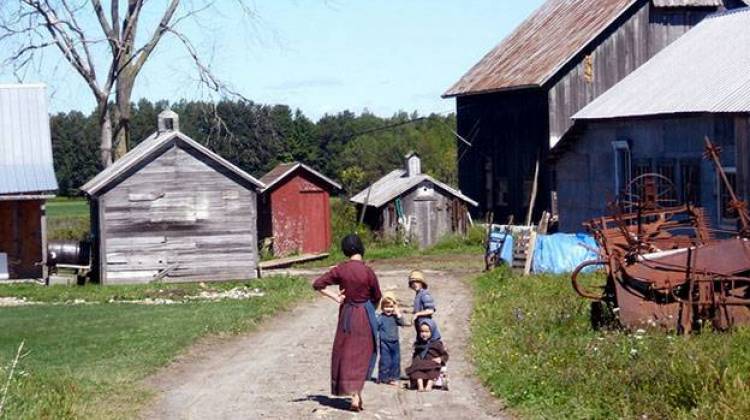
<point x="283" y="170"/>
<point x="395" y="184"/>
<point x="26" y="165"/>
<point x="541" y="45"/>
<point x="704" y="71"/>
<point x="548" y="40"/>
<point x="154" y="144"/>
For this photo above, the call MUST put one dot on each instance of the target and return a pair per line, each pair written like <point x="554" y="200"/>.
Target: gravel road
<point x="282" y="370"/>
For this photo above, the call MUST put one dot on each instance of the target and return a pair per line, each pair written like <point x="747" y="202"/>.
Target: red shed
<point x="295" y="209"/>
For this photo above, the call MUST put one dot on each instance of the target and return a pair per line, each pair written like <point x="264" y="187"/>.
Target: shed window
<point x="727" y="215"/>
<point x="622" y="165"/>
<point x="666" y="168"/>
<point x="690" y="182"/>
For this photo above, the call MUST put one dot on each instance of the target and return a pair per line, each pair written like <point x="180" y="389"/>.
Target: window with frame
<point x="690" y="181"/>
<point x="641" y="167"/>
<point x="666" y="168"/>
<point x="621" y="151"/>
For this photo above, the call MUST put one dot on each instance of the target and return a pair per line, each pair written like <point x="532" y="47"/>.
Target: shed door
<point x="315" y="219"/>
<point x="426" y="226"/>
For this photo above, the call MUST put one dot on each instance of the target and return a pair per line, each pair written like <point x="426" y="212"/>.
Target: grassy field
<point x="67" y="218"/>
<point x="533" y="347"/>
<point x="87" y="361"/>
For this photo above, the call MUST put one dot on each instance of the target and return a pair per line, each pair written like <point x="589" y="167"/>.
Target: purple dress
<point x="354" y="345"/>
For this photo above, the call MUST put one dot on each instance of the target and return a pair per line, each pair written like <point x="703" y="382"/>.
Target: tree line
<point x="355" y="149"/>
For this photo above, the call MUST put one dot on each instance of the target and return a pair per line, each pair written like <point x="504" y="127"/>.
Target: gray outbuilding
<point x="172" y="210"/>
<point x="414" y="204"/>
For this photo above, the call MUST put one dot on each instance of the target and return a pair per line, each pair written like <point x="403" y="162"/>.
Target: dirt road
<point x="282" y="370"/>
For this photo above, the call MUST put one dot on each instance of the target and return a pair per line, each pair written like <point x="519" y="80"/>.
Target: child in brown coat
<point x="429" y="356"/>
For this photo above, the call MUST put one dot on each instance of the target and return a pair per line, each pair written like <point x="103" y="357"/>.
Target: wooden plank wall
<point x="22" y="238"/>
<point x="508" y="132"/>
<point x="585" y="174"/>
<point x="179" y="214"/>
<point x="646" y="33"/>
<point x="742" y="136"/>
<point x="432" y="214"/>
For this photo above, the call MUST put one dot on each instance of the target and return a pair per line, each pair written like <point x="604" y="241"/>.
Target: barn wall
<point x="586" y="176"/>
<point x="742" y="156"/>
<point x="508" y="132"/>
<point x="22" y="237"/>
<point x="301" y="216"/>
<point x="640" y="37"/>
<point x="179" y="214"/>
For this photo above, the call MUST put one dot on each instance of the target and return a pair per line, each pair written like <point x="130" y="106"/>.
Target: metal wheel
<point x="648" y="192"/>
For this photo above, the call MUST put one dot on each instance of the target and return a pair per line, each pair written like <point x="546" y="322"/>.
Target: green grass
<point x="88" y="361"/>
<point x="64" y="207"/>
<point x="67" y="219"/>
<point x="379" y="249"/>
<point x="533" y="347"/>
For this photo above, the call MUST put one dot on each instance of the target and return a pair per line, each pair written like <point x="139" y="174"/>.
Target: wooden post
<point x="533" y="194"/>
<point x="364" y="206"/>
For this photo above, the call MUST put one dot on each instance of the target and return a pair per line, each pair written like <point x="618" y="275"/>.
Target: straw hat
<point x="417" y="275"/>
<point x="388" y="297"/>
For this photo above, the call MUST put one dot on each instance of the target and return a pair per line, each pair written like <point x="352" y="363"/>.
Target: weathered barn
<point x="295" y="211"/>
<point x="27" y="180"/>
<point x="415" y="204"/>
<point x="172" y="210"/>
<point x="516" y="103"/>
<point x="655" y="120"/>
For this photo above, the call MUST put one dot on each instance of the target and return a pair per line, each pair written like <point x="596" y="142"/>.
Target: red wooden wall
<point x="300" y="215"/>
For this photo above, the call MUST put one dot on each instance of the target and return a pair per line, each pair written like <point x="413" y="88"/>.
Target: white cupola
<point x="413" y="164"/>
<point x="168" y="121"/>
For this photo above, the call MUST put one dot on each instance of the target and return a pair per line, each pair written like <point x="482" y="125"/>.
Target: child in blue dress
<point x="424" y="303"/>
<point x="389" y="319"/>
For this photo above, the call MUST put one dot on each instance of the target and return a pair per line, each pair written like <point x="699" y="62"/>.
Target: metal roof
<point x="541" y="45"/>
<point x="152" y="145"/>
<point x="26" y="164"/>
<point x="281" y="171"/>
<point x="395" y="184"/>
<point x="707" y="70"/>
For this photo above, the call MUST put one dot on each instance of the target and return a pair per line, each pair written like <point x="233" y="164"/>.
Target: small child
<point x="389" y="319"/>
<point x="429" y="356"/>
<point x="424" y="304"/>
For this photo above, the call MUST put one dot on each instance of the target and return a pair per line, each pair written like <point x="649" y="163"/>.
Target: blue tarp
<point x="557" y="253"/>
<point x="563" y="252"/>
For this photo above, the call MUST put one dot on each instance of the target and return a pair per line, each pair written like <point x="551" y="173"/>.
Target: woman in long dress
<point x="354" y="351"/>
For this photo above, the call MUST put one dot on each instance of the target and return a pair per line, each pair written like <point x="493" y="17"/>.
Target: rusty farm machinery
<point x="664" y="264"/>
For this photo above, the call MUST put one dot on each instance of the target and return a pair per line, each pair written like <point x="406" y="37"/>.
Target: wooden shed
<point x="408" y="202"/>
<point x="295" y="209"/>
<point x="172" y="210"/>
<point x="515" y="104"/>
<point x="655" y="121"/>
<point x="27" y="180"/>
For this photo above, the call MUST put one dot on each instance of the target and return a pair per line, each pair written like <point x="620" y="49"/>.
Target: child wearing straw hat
<point x="424" y="304"/>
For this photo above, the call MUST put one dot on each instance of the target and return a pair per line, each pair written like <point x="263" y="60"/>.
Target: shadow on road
<point x="324" y="400"/>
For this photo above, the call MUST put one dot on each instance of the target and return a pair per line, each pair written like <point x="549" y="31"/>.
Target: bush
<point x="68" y="228"/>
<point x="533" y="346"/>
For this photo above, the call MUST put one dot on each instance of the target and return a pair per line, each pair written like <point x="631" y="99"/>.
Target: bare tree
<point x="27" y="27"/>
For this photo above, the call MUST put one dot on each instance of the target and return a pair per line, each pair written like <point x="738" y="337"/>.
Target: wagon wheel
<point x="648" y="192"/>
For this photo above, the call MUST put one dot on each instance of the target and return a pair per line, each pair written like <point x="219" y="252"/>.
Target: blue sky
<point x="321" y="56"/>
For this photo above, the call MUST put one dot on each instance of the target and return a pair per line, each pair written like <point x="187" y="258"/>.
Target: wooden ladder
<point x="523" y="249"/>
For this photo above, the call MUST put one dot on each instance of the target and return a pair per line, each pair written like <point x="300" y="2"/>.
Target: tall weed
<point x="533" y="347"/>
